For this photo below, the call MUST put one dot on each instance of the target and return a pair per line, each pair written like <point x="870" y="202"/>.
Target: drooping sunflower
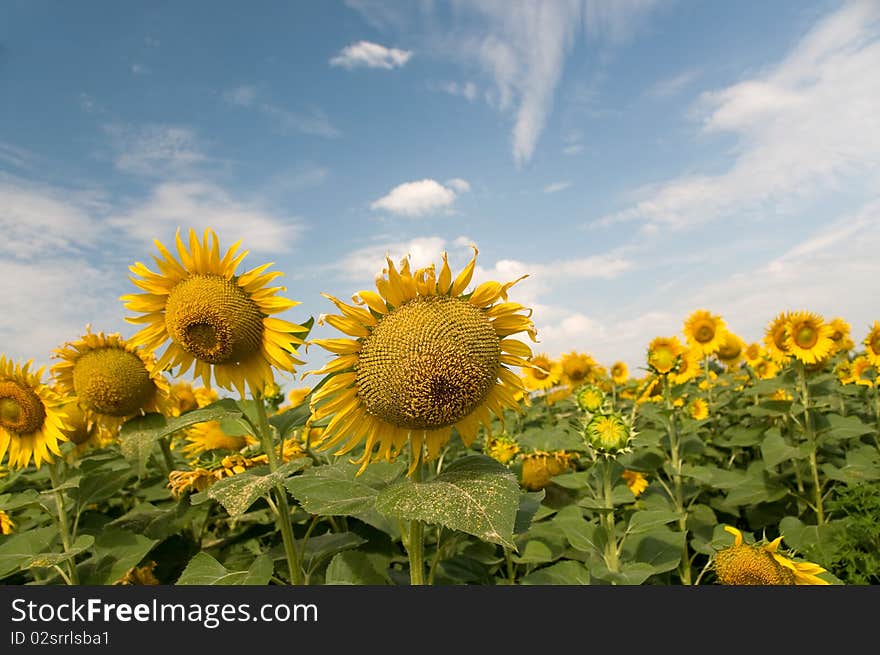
<point x="420" y="358"/>
<point x="730" y="352"/>
<point x="544" y="373"/>
<point x="502" y="448"/>
<point x="762" y="564"/>
<point x="863" y="371"/>
<point x="577" y="368"/>
<point x="112" y="379"/>
<point x="32" y="422"/>
<point x="213" y="318"/>
<point x="664" y="353"/>
<point x="775" y="338"/>
<point x="7" y="525"/>
<point x="872" y="344"/>
<point x="184" y="397"/>
<point x="205" y="437"/>
<point x="688" y="367"/>
<point x="808" y="337"/>
<point x="539" y="467"/>
<point x="619" y="373"/>
<point x="703" y="331"/>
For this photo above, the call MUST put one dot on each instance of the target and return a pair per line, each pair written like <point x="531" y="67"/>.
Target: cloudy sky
<point x="639" y="159"/>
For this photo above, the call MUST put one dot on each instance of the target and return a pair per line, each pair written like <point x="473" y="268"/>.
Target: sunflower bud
<point x="608" y="434"/>
<point x="590" y="398"/>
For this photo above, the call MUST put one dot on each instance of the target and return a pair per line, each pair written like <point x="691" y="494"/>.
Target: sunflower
<point x="577" y="368"/>
<point x="213" y="318"/>
<point x="703" y="331"/>
<point x="762" y="564"/>
<point x="652" y="392"/>
<point x="7" y="525"/>
<point x="539" y="467"/>
<point x="205" y="437"/>
<point x="139" y="575"/>
<point x="688" y="367"/>
<point x="730" y="352"/>
<point x="112" y="379"/>
<point x="31" y="421"/>
<point x="502" y="448"/>
<point x="863" y="371"/>
<point x="543" y="374"/>
<point x="664" y="353"/>
<point x="590" y="398"/>
<point x="753" y="353"/>
<point x="80" y="427"/>
<point x="808" y="337"/>
<point x="765" y="368"/>
<point x="296" y="396"/>
<point x="184" y="397"/>
<point x="635" y="481"/>
<point x="698" y="409"/>
<point x="841" y="335"/>
<point x="423" y="357"/>
<point x="775" y="338"/>
<point x="619" y="373"/>
<point x="872" y="344"/>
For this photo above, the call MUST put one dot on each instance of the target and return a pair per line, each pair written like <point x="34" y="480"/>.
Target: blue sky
<point x="639" y="159"/>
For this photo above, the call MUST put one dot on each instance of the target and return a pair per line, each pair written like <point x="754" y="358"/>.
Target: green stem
<point x="415" y="543"/>
<point x="63" y="525"/>
<point x="435" y="561"/>
<point x="684" y="567"/>
<point x="165" y="446"/>
<point x="611" y="552"/>
<point x="294" y="563"/>
<point x="811" y="439"/>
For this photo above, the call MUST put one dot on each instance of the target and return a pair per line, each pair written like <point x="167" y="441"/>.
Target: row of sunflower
<point x="435" y="446"/>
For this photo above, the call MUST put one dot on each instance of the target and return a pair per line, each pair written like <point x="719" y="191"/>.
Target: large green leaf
<point x="647" y="520"/>
<point x="336" y="489"/>
<point x="116" y="551"/>
<point x="474" y="494"/>
<point x="138" y="435"/>
<point x="9" y="502"/>
<point x="568" y="572"/>
<point x="326" y="545"/>
<point x="22" y="547"/>
<point x="529" y="504"/>
<point x="46" y="560"/>
<point x="846" y="427"/>
<point x="205" y="570"/>
<point x="580" y="533"/>
<point x="100" y="484"/>
<point x="352" y="567"/>
<point x="238" y="492"/>
<point x="775" y="450"/>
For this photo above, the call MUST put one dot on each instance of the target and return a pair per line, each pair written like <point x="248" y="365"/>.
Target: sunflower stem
<point x="611" y="551"/>
<point x="811" y="439"/>
<point x="684" y="567"/>
<point x="282" y="514"/>
<point x="415" y="543"/>
<point x="63" y="525"/>
<point x="165" y="446"/>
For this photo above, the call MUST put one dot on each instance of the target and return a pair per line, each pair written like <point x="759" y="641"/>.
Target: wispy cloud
<point x="797" y="139"/>
<point x="154" y="149"/>
<point x="243" y="95"/>
<point x="200" y="205"/>
<point x="670" y="86"/>
<point x="467" y="90"/>
<point x="555" y="187"/>
<point x="420" y="197"/>
<point x="366" y="54"/>
<point x="16" y="156"/>
<point x="616" y="21"/>
<point x="312" y="121"/>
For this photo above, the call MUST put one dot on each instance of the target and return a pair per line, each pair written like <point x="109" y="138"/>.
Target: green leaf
<point x="117" y="551"/>
<point x="536" y="552"/>
<point x="260" y="572"/>
<point x="238" y="492"/>
<point x="862" y="465"/>
<point x="21" y="547"/>
<point x="579" y="532"/>
<point x="287" y="423"/>
<point x="529" y="504"/>
<point x="9" y="502"/>
<point x="647" y="520"/>
<point x="756" y="487"/>
<point x="568" y="572"/>
<point x="770" y="408"/>
<point x="205" y="570"/>
<point x="775" y="450"/>
<point x="576" y="480"/>
<point x="474" y="494"/>
<point x="327" y="545"/>
<point x="138" y="435"/>
<point x="353" y="567"/>
<point x="46" y="560"/>
<point x="846" y="427"/>
<point x="100" y="485"/>
<point x="660" y="549"/>
<point x="713" y="476"/>
<point x="337" y="490"/>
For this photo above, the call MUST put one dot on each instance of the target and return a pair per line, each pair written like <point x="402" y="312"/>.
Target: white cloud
<point x="156" y="150"/>
<point x="365" y="263"/>
<point x="370" y="55"/>
<point x="39" y="221"/>
<point x="466" y="90"/>
<point x="615" y="20"/>
<point x="243" y="95"/>
<point x="420" y="197"/>
<point x="555" y="187"/>
<point x="200" y="205"/>
<point x="15" y="156"/>
<point x="672" y="85"/>
<point x="807" y="126"/>
<point x="459" y="185"/>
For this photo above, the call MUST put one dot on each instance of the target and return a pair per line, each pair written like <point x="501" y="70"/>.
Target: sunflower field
<point x="437" y="445"/>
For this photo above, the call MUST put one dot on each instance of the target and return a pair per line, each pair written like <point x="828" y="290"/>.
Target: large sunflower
<point x="703" y="331"/>
<point x="872" y="344"/>
<point x="688" y="367"/>
<point x="808" y="337"/>
<point x="213" y="318"/>
<point x="421" y="357"/>
<point x="31" y="420"/>
<point x="112" y="379"/>
<point x="762" y="564"/>
<point x="664" y="353"/>
<point x="544" y="373"/>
